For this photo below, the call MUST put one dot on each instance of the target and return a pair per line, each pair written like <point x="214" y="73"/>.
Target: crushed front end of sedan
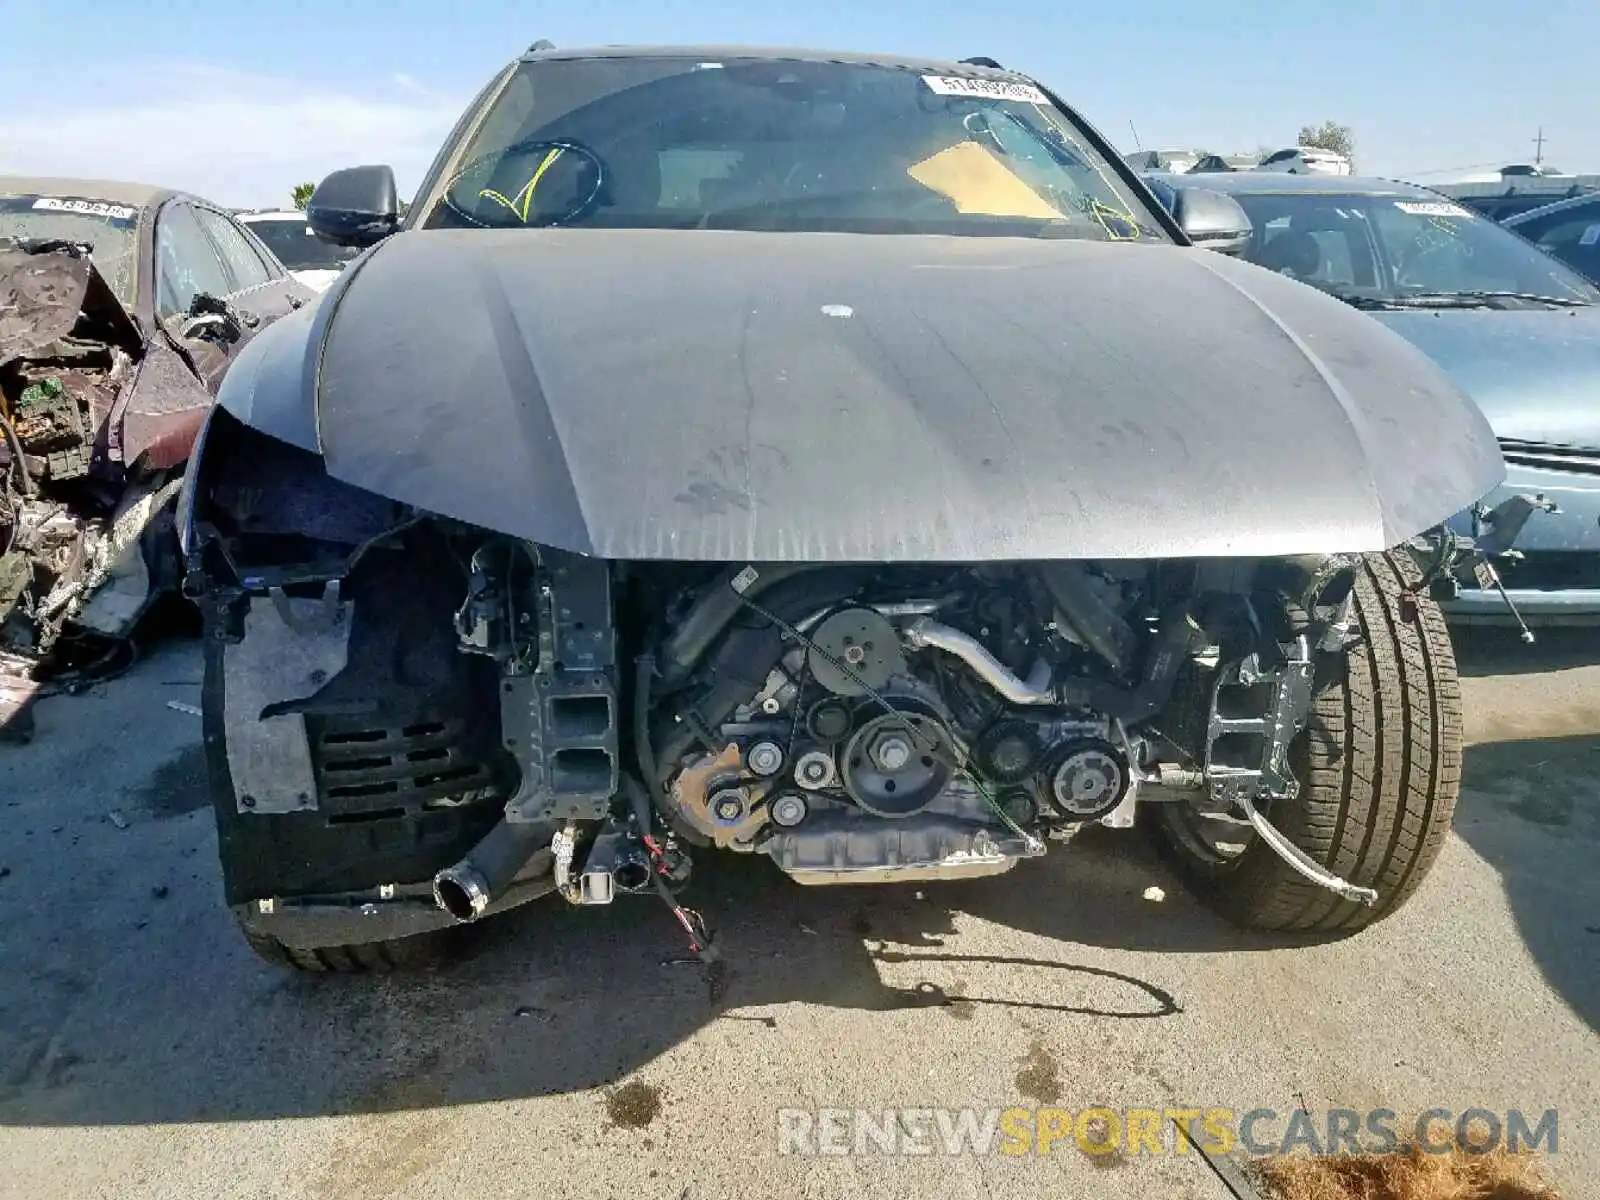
<point x="835" y="459"/>
<point x="95" y="427"/>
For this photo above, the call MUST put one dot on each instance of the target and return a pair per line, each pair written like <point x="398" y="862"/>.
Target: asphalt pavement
<point x="144" y="1052"/>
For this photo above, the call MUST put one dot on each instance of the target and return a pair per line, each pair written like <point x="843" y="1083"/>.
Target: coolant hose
<point x="468" y="888"/>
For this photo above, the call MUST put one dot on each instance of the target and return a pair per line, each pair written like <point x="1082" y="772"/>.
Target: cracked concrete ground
<point x="144" y="1052"/>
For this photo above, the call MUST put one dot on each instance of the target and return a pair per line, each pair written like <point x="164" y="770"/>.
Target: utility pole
<point x="1538" y="148"/>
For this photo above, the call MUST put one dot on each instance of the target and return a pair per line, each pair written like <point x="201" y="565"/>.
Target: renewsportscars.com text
<point x="1104" y="1131"/>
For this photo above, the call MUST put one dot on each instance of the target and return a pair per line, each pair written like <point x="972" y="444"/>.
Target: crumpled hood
<point x="45" y="287"/>
<point x="730" y="395"/>
<point x="1536" y="375"/>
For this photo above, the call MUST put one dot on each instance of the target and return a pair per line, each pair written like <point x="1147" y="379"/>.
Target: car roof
<point x="135" y="195"/>
<point x="1276" y="183"/>
<point x="1588" y="200"/>
<point x="711" y="53"/>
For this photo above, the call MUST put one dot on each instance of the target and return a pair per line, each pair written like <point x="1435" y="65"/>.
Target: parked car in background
<point x="1516" y="329"/>
<point x="121" y="307"/>
<point x="311" y="260"/>
<point x="1175" y="161"/>
<point x="1568" y="229"/>
<point x="1305" y="160"/>
<point x="1512" y="195"/>
<point x="1212" y="163"/>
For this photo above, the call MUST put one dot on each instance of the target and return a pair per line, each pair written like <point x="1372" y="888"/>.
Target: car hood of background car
<point x="1535" y="375"/>
<point x="717" y="395"/>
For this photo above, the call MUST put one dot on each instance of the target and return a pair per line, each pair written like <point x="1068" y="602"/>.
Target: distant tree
<point x="302" y="194"/>
<point x="1330" y="135"/>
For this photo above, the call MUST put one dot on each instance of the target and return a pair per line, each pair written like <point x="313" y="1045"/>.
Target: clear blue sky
<point x="239" y="100"/>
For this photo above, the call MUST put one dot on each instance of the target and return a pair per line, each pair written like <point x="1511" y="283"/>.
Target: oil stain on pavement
<point x="177" y="787"/>
<point x="1038" y="1078"/>
<point x="633" y="1105"/>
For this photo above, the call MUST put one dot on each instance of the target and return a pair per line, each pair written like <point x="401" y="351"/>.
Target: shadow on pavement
<point x="1493" y="650"/>
<point x="183" y="1024"/>
<point x="1531" y="809"/>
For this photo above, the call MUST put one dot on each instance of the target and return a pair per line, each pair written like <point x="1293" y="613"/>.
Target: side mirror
<point x="211" y="320"/>
<point x="1212" y="220"/>
<point x="358" y="206"/>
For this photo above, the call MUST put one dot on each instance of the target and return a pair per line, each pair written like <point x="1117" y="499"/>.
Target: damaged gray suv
<point x="835" y="458"/>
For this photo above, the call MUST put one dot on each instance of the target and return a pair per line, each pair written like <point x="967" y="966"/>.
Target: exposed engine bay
<point x="898" y="723"/>
<point x="77" y="510"/>
<point x="897" y="745"/>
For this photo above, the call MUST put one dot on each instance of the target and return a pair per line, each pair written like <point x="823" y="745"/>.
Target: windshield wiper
<point x="1470" y="299"/>
<point x="1524" y="296"/>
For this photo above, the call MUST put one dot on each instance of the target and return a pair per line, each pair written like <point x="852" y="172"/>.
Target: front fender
<point x="271" y="385"/>
<point x="271" y="388"/>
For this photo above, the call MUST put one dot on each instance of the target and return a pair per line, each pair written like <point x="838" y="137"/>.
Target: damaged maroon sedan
<point x="121" y="307"/>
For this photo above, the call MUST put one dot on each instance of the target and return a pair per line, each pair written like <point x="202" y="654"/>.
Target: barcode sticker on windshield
<point x="1431" y="208"/>
<point x="1591" y="236"/>
<point x="985" y="89"/>
<point x="93" y="208"/>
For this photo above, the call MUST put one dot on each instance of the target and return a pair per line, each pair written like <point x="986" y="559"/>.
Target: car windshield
<point x="677" y="143"/>
<point x="297" y="248"/>
<point x="109" y="229"/>
<point x="1399" y="251"/>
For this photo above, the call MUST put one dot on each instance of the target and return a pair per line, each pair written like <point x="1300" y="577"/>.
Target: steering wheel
<point x="564" y="183"/>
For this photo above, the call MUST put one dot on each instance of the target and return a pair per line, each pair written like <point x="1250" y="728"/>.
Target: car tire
<point x="1379" y="764"/>
<point x="396" y="954"/>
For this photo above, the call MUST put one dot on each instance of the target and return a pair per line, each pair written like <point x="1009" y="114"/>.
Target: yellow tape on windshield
<point x="524" y="198"/>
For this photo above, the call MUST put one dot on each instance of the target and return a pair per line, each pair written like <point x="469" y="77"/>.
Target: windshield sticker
<point x="1591" y="236"/>
<point x="1431" y="208"/>
<point x="93" y="208"/>
<point x="984" y="89"/>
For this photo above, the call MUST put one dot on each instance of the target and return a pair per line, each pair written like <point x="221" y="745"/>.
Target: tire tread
<point x="1380" y="773"/>
<point x="358" y="958"/>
